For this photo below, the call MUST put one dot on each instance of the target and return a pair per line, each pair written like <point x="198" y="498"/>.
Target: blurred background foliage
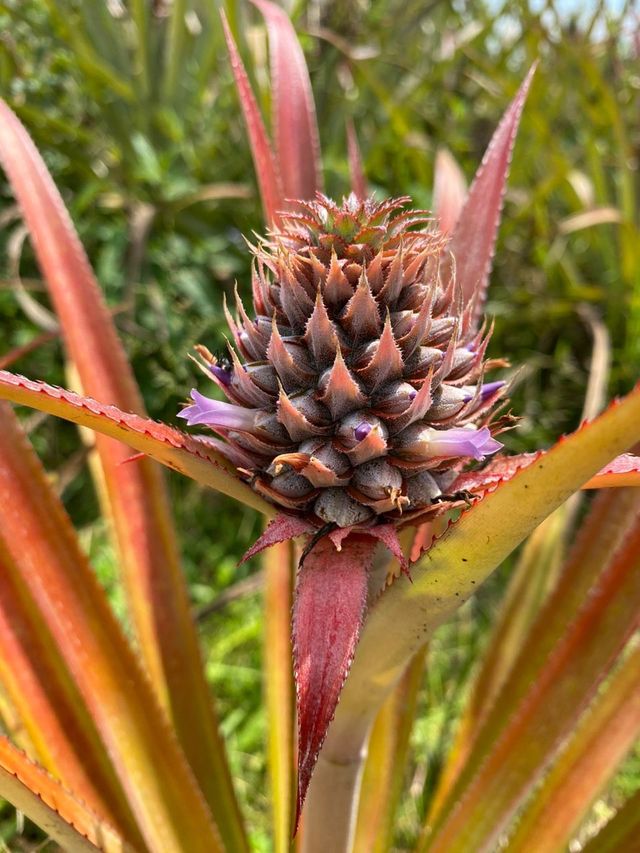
<point x="133" y="107"/>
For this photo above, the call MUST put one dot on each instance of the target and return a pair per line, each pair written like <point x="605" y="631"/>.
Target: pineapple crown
<point x="356" y="393"/>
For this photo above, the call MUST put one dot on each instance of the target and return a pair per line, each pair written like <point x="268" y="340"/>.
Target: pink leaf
<point x="263" y="159"/>
<point x="449" y="191"/>
<point x="294" y="115"/>
<point x="623" y="471"/>
<point x="499" y="469"/>
<point x="473" y="241"/>
<point x="281" y="529"/>
<point x="385" y="533"/>
<point x="388" y="535"/>
<point x="328" y="612"/>
<point x="356" y="170"/>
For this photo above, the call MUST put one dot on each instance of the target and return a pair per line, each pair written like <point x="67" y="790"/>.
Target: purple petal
<point x="488" y="389"/>
<point x="222" y="374"/>
<point x="463" y="442"/>
<point x="218" y="414"/>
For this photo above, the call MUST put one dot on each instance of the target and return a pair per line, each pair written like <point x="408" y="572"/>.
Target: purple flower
<point x="218" y="414"/>
<point x="420" y="442"/>
<point x="487" y="390"/>
<point x="222" y="374"/>
<point x="460" y="441"/>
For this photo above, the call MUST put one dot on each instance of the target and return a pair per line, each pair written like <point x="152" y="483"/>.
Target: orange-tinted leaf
<point x="602" y="739"/>
<point x="473" y="240"/>
<point x="51" y="807"/>
<point x="138" y="504"/>
<point x="534" y="575"/>
<point x="295" y="127"/>
<point x="61" y="732"/>
<point x="38" y="537"/>
<point x="601" y="534"/>
<point x="263" y="159"/>
<point x="191" y="456"/>
<point x="448" y="574"/>
<point x="623" y="471"/>
<point x="550" y="710"/>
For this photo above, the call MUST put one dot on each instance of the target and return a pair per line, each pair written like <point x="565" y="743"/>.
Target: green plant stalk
<point x="174" y="57"/>
<point x="443" y="580"/>
<point x="279" y="566"/>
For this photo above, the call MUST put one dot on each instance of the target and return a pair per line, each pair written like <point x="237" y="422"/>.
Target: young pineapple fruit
<point x="357" y="390"/>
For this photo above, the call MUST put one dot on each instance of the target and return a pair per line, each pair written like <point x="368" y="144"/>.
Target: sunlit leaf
<point x="196" y="458"/>
<point x="138" y="504"/>
<point x="385" y="769"/>
<point x="38" y="537"/>
<point x="356" y="169"/>
<point x="263" y="159"/>
<point x="621" y="833"/>
<point x="472" y="242"/>
<point x="601" y="534"/>
<point x="551" y="708"/>
<point x="533" y="577"/>
<point x="597" y="746"/>
<point x="330" y="599"/>
<point x="623" y="471"/>
<point x="62" y="735"/>
<point x="51" y="807"/>
<point x="449" y="191"/>
<point x="404" y="617"/>
<point x="279" y="566"/>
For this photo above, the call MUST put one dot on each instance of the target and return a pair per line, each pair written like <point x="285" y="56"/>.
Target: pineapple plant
<point x="356" y="399"/>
